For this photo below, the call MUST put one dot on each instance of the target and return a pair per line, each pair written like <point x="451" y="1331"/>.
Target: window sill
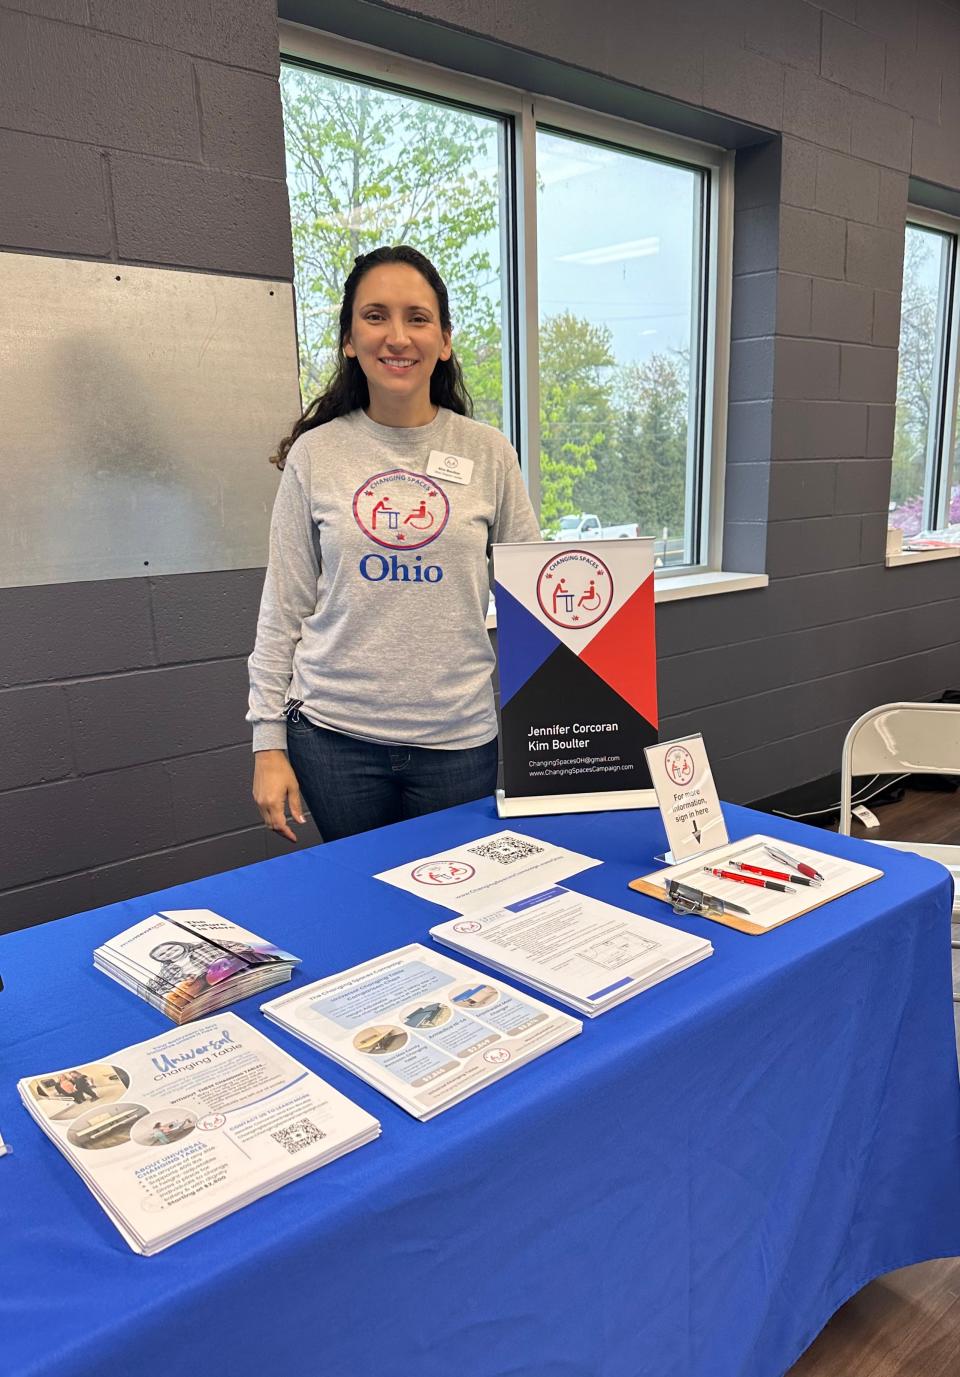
<point x="920" y="556"/>
<point x="705" y="584"/>
<point x="685" y="586"/>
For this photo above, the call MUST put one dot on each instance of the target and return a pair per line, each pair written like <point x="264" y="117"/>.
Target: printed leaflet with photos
<point x="420" y="1027"/>
<point x="173" y="1133"/>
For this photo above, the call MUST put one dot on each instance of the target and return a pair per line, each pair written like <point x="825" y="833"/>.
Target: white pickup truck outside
<point x="586" y="526"/>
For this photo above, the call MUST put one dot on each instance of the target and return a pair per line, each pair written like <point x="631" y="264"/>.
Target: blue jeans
<point x="351" y="785"/>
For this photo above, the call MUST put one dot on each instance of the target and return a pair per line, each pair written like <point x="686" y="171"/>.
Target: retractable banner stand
<point x="578" y="675"/>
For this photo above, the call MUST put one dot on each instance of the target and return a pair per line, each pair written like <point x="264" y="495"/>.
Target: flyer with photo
<point x="173" y="1133"/>
<point x="190" y="962"/>
<point x="422" y="1028"/>
<point x="581" y="951"/>
<point x="486" y="871"/>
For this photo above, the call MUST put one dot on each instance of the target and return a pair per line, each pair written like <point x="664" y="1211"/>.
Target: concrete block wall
<point x="152" y="134"/>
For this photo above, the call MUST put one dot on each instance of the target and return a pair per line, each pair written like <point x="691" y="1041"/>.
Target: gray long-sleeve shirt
<point x="374" y="605"/>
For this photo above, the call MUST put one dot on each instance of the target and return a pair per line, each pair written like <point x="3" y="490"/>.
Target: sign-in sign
<point x="687" y="796"/>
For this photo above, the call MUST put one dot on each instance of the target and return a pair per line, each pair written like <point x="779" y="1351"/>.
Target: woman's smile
<point x="396" y="309"/>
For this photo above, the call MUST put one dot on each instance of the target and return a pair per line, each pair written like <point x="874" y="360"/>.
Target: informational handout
<point x="424" y="1029"/>
<point x="173" y="1133"/>
<point x="487" y="871"/>
<point x="580" y="950"/>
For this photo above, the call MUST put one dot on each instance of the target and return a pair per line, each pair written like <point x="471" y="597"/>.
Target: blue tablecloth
<point x="688" y="1189"/>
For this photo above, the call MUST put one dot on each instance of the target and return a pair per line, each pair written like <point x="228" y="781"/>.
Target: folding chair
<point x="906" y="738"/>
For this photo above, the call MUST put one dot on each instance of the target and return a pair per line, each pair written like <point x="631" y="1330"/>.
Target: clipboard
<point x="768" y="909"/>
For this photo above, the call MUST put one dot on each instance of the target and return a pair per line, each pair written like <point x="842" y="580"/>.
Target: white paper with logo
<point x="486" y="871"/>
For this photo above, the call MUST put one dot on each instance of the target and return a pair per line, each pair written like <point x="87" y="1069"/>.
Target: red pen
<point x="748" y="880"/>
<point x="772" y="874"/>
<point x="784" y="859"/>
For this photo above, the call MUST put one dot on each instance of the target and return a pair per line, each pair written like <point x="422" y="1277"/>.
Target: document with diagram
<point x="581" y="951"/>
<point x="422" y="1028"/>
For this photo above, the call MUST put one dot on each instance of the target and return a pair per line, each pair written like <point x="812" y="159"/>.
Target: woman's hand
<point x="275" y="788"/>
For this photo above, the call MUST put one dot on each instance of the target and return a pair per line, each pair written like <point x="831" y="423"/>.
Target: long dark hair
<point x="347" y="389"/>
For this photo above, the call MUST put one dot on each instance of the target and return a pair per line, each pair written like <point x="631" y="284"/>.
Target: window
<point x="588" y="338"/>
<point x="621" y="300"/>
<point x="369" y="166"/>
<point x="925" y="481"/>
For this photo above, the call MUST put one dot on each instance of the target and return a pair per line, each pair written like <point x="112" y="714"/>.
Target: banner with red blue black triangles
<point x="578" y="667"/>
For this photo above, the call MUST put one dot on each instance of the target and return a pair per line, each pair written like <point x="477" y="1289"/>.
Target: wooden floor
<point x="923" y="815"/>
<point x="905" y="1324"/>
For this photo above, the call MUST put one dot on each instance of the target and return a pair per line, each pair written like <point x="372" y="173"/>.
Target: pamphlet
<point x="190" y="962"/>
<point x="687" y="796"/>
<point x="487" y="871"/>
<point x="581" y="951"/>
<point x="422" y="1028"/>
<point x="176" y="1132"/>
<point x="775" y="881"/>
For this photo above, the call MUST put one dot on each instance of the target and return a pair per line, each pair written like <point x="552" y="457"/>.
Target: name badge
<point x="451" y="467"/>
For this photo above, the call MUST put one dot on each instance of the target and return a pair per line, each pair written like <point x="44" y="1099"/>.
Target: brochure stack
<point x="190" y="962"/>
<point x="176" y="1132"/>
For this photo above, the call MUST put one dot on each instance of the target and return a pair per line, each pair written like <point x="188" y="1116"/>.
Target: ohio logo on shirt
<point x="401" y="510"/>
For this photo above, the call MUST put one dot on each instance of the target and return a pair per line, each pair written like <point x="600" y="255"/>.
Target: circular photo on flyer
<point x="474" y="996"/>
<point x="105" y="1127"/>
<point x="380" y="1040"/>
<point x="68" y="1094"/>
<point x="163" y="1126"/>
<point x="427" y="1016"/>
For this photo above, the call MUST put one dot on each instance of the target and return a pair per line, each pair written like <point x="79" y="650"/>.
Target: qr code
<point x="505" y="850"/>
<point x="296" y="1137"/>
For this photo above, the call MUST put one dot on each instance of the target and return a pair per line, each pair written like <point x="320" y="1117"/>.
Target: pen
<point x="748" y="880"/>
<point x="772" y="874"/>
<point x="801" y="866"/>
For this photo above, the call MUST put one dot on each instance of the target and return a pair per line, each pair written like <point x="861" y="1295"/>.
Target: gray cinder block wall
<point x="153" y="135"/>
<point x="139" y="134"/>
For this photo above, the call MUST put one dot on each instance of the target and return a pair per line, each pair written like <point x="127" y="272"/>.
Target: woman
<point x="185" y="968"/>
<point x="370" y="688"/>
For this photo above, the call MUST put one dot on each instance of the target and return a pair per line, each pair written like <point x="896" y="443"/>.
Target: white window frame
<point x="527" y="111"/>
<point x="941" y="437"/>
